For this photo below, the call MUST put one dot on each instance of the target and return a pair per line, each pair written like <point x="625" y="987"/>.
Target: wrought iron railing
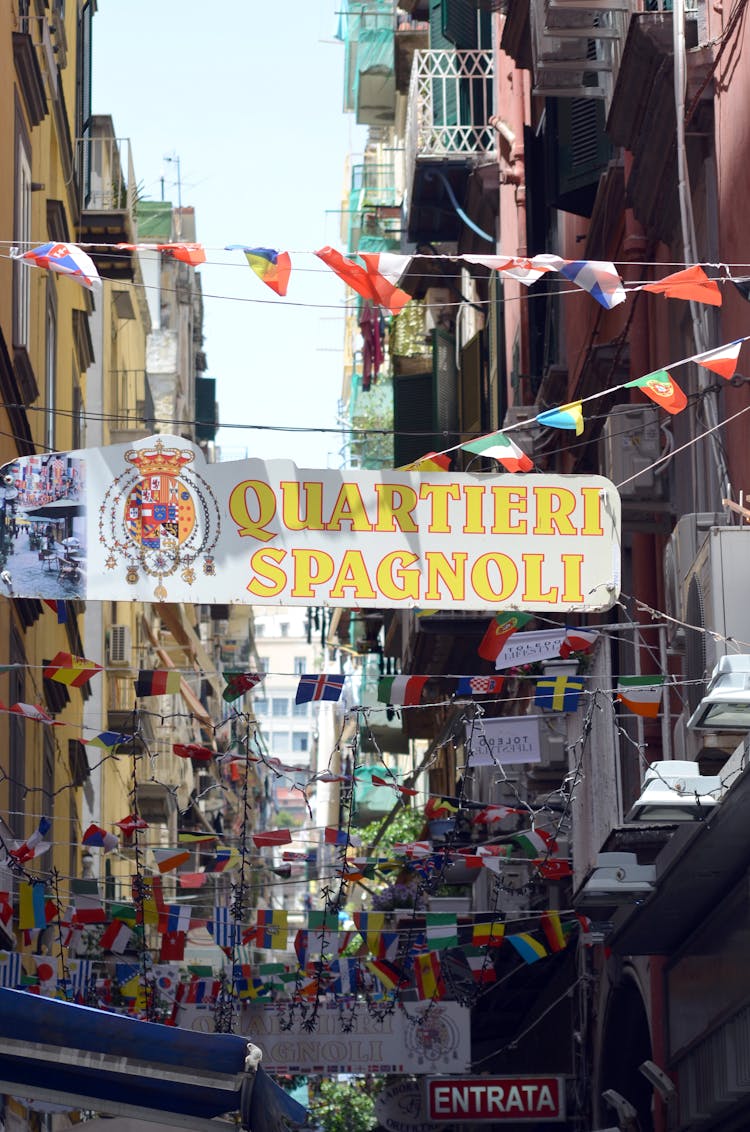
<point x="450" y="104"/>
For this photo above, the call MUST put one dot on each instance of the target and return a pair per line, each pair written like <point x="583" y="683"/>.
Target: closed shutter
<point x="578" y="151"/>
<point x="472" y="385"/>
<point x="445" y="386"/>
<point x="413" y="412"/>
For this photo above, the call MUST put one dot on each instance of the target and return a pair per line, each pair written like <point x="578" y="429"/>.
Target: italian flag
<point x="641" y="694"/>
<point x="401" y="691"/>
<point x="534" y="842"/>
<point x="501" y="448"/>
<point x="723" y="360"/>
<point x="662" y="389"/>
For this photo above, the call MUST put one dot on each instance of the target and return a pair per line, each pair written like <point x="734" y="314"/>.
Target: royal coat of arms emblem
<point x="159" y="516"/>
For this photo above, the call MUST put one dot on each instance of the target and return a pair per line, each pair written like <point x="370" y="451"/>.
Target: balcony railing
<point x="106" y="175"/>
<point x="450" y="103"/>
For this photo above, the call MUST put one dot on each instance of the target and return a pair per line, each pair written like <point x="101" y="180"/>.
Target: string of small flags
<point x="377" y="276"/>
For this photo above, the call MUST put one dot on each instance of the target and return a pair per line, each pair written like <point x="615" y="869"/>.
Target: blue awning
<point x="51" y="1049"/>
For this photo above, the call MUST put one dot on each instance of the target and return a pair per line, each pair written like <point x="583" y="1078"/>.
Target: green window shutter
<point x="459" y="19"/>
<point x="413" y="412"/>
<point x="445" y="386"/>
<point x="578" y="152"/>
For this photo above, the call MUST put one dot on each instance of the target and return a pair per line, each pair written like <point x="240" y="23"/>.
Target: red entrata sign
<point x="514" y="1099"/>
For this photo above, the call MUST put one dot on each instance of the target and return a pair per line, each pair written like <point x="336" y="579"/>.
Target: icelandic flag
<point x="324" y="687"/>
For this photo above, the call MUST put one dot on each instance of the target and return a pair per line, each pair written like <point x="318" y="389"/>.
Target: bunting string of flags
<point x="377" y="276"/>
<point x="424" y="956"/>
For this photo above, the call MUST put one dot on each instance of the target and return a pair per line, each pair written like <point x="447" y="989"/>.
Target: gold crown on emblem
<point x="150" y="461"/>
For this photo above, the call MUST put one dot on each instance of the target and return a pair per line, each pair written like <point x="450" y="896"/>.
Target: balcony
<point x="447" y="138"/>
<point x="108" y="193"/>
<point x="374" y="213"/>
<point x="369" y="67"/>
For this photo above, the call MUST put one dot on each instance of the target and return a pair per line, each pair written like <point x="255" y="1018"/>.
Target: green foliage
<point x="406" y="826"/>
<point x="374" y="410"/>
<point x="343" y="1106"/>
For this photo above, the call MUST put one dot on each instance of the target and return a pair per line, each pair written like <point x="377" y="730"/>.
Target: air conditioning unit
<point x="679" y="556"/>
<point x="565" y="64"/>
<point x="715" y="606"/>
<point x="631" y="443"/>
<point x="119" y="646"/>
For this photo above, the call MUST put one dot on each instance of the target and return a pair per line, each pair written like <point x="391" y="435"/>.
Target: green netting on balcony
<point x="357" y="20"/>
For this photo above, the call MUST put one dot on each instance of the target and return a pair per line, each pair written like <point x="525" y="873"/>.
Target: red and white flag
<point x="722" y="360"/>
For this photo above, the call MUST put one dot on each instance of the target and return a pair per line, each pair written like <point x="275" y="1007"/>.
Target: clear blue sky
<point x="248" y="95"/>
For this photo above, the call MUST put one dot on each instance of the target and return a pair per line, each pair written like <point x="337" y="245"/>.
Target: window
<point x="284" y="628"/>
<point x="263" y="664"/>
<point x="279" y="742"/>
<point x="260" y="706"/>
<point x="259" y="629"/>
<point x="299" y="665"/>
<point x="300" y="710"/>
<point x="22" y="237"/>
<point x="279" y="706"/>
<point x="300" y="741"/>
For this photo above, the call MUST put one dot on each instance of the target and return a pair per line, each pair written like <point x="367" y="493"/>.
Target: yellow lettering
<point x="480" y="577"/>
<point x="474" y="524"/>
<point x="275" y="578"/>
<point x="311" y="568"/>
<point x="554" y="506"/>
<point x="439" y="569"/>
<point x="291" y="505"/>
<point x="264" y="504"/>
<point x="592" y="511"/>
<point x="353" y="576"/>
<point x="408" y="579"/>
<point x="507" y="501"/>
<point x="396" y="503"/>
<point x="349" y="508"/>
<point x="533" y="580"/>
<point x="572" y="577"/>
<point x="439" y="494"/>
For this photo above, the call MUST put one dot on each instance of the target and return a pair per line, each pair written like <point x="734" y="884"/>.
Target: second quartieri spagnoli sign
<point x="153" y="521"/>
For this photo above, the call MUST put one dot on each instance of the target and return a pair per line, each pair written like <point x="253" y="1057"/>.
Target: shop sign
<point x="460" y="1100"/>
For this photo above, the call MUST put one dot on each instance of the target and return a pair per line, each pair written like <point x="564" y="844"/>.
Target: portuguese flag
<point x="662" y="389"/>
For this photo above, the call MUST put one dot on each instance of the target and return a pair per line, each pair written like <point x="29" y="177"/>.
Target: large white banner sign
<point x="402" y="1042"/>
<point x="153" y="521"/>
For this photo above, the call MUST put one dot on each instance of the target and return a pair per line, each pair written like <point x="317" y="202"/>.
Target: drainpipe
<point x="644" y="546"/>
<point x="687" y="225"/>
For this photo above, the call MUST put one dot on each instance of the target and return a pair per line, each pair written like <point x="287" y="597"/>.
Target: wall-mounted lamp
<point x="726" y="704"/>
<point x="676" y="790"/>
